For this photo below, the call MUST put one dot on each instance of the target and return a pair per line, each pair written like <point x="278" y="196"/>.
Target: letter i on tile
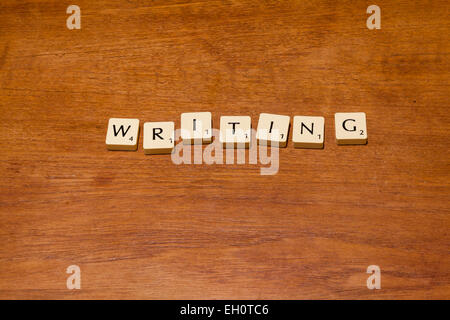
<point x="273" y="130"/>
<point x="196" y="127"/>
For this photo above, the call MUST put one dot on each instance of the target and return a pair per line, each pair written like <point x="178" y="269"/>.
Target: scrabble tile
<point x="196" y="127"/>
<point x="159" y="137"/>
<point x="273" y="129"/>
<point x="235" y="131"/>
<point x="308" y="132"/>
<point x="122" y="134"/>
<point x="350" y="128"/>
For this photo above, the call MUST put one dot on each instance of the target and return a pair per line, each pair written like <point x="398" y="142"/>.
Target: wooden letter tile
<point x="122" y="134"/>
<point x="159" y="137"/>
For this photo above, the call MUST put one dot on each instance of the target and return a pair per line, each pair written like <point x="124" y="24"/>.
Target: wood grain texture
<point x="142" y="227"/>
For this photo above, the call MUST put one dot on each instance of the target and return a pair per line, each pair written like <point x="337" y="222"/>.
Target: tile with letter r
<point x="122" y="134"/>
<point x="273" y="130"/>
<point x="351" y="128"/>
<point x="235" y="131"/>
<point x="308" y="132"/>
<point x="196" y="127"/>
<point x="159" y="137"/>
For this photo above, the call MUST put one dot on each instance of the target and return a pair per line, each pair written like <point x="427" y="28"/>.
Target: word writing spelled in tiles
<point x="122" y="134"/>
<point x="273" y="130"/>
<point x="159" y="137"/>
<point x="351" y="128"/>
<point x="196" y="127"/>
<point x="308" y="132"/>
<point x="235" y="131"/>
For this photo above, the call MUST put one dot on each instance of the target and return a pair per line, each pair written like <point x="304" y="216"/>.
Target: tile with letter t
<point x="196" y="127"/>
<point x="308" y="132"/>
<point x="273" y="130"/>
<point x="350" y="128"/>
<point x="235" y="131"/>
<point x="159" y="137"/>
<point x="122" y="134"/>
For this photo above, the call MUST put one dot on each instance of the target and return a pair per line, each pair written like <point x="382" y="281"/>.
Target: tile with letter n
<point x="122" y="134"/>
<point x="351" y="128"/>
<point x="308" y="132"/>
<point x="273" y="130"/>
<point x="159" y="137"/>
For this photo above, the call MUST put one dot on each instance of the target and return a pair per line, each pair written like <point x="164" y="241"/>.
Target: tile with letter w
<point x="123" y="134"/>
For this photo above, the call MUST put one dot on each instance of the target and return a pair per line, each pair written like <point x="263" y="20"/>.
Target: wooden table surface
<point x="142" y="227"/>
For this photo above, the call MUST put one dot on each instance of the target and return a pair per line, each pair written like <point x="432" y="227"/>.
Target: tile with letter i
<point x="159" y="137"/>
<point x="235" y="131"/>
<point x="196" y="127"/>
<point x="273" y="130"/>
<point x="351" y="128"/>
<point x="308" y="132"/>
<point x="122" y="134"/>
